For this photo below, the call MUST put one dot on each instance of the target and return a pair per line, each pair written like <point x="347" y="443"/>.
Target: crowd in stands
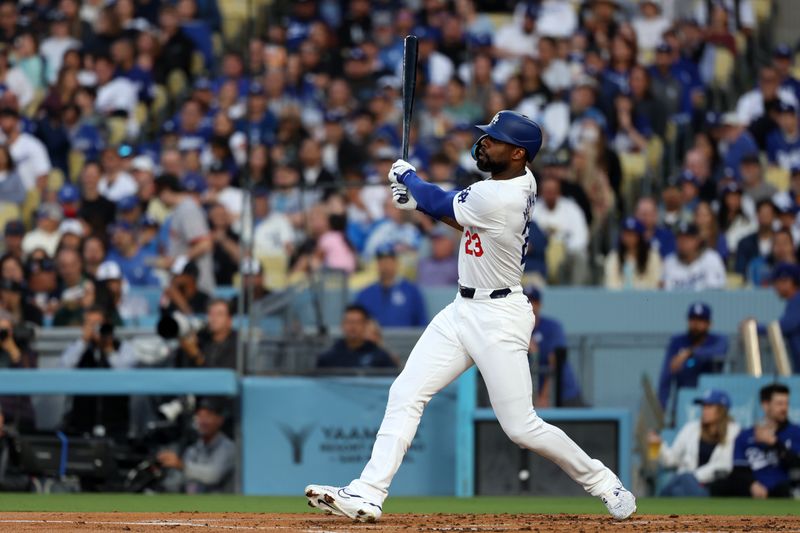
<point x="142" y="135"/>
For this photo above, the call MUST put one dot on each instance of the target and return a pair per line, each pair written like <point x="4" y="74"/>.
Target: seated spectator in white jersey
<point x="692" y="266"/>
<point x="441" y="267"/>
<point x="702" y="452"/>
<point x="116" y="183"/>
<point x="563" y="221"/>
<point x="28" y="153"/>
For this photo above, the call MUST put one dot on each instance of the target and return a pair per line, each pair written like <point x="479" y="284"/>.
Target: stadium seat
<point x="177" y="84"/>
<point x="117" y="130"/>
<point x="8" y="211"/>
<point x="724" y="64"/>
<point x="777" y="176"/>
<point x="275" y="271"/>
<point x="762" y="10"/>
<point x="555" y="254"/>
<point x="75" y="162"/>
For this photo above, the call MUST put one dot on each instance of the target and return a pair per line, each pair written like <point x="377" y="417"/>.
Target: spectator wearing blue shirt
<point x="354" y="349"/>
<point x="698" y="351"/>
<point x="131" y="258"/>
<point x="391" y="301"/>
<point x="548" y="337"/>
<point x="782" y="59"/>
<point x="739" y="140"/>
<point x="660" y="237"/>
<point x="765" y="455"/>
<point x="758" y="243"/>
<point x="783" y="144"/>
<point x="786" y="281"/>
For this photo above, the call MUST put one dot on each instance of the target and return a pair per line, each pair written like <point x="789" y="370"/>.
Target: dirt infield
<point x="311" y="523"/>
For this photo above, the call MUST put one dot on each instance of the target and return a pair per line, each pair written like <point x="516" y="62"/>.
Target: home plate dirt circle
<point x="307" y="523"/>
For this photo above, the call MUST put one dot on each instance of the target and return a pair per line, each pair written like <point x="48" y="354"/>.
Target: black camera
<point x="4" y="333"/>
<point x="106" y="329"/>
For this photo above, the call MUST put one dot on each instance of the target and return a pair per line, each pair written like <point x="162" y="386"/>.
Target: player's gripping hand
<point x="400" y="170"/>
<point x="401" y="198"/>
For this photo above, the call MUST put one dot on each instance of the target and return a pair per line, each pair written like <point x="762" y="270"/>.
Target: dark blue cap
<point x="69" y="194"/>
<point x="424" y="33"/>
<point x="631" y="224"/>
<point x="713" y="118"/>
<point x="385" y="250"/>
<point x="357" y="54"/>
<point x="533" y="293"/>
<point x="795" y="169"/>
<point x="335" y="116"/>
<point x="14" y="227"/>
<point x="194" y="182"/>
<point x="749" y="157"/>
<point x="255" y="89"/>
<point x="148" y="221"/>
<point x="699" y="310"/>
<point x="731" y="187"/>
<point x="120" y="225"/>
<point x="129" y="203"/>
<point x="479" y="39"/>
<point x="202" y="84"/>
<point x="688" y="177"/>
<point x="688" y="228"/>
<point x="664" y="48"/>
<point x="783" y="51"/>
<point x="169" y="126"/>
<point x="532" y="10"/>
<point x="714" y="397"/>
<point x="785" y="107"/>
<point x="786" y="271"/>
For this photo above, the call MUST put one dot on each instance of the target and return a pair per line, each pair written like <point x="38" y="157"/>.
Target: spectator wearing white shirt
<point x="221" y="191"/>
<point x="15" y="80"/>
<point x="28" y="153"/>
<point x="56" y="44"/>
<point x="649" y="26"/>
<point x="116" y="184"/>
<point x="751" y="105"/>
<point x="563" y="221"/>
<point x="693" y="267"/>
<point x="116" y="96"/>
<point x="702" y="452"/>
<point x="46" y="234"/>
<point x="273" y="235"/>
<point x="556" y="74"/>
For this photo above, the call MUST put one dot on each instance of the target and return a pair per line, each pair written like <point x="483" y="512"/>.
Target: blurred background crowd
<point x="138" y="136"/>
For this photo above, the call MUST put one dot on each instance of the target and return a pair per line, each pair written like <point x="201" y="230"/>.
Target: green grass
<point x="264" y="504"/>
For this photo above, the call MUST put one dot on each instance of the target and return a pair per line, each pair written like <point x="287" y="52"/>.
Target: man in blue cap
<point x="547" y="339"/>
<point x="393" y="301"/>
<point x="698" y="351"/>
<point x="786" y="281"/>
<point x="782" y="59"/>
<point x="783" y="144"/>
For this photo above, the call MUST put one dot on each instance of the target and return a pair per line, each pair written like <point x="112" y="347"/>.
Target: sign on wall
<point x="298" y="431"/>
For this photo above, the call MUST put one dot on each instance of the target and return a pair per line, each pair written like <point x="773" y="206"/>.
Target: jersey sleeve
<point x="479" y="206"/>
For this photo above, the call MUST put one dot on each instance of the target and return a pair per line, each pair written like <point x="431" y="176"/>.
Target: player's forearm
<point x="430" y="198"/>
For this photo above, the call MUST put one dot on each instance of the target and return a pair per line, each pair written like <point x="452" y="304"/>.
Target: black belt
<point x="469" y="292"/>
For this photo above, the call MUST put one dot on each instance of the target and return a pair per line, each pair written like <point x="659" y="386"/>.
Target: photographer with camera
<point x="98" y="348"/>
<point x="208" y="464"/>
<point x="77" y="290"/>
<point x="212" y="346"/>
<point x="182" y="294"/>
<point x="15" y="352"/>
<point x="12" y="300"/>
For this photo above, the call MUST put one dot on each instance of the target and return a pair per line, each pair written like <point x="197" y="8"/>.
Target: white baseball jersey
<point x="496" y="216"/>
<point x="705" y="272"/>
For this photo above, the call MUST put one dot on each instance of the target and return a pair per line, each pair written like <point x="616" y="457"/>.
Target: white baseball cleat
<point x="620" y="502"/>
<point x="341" y="501"/>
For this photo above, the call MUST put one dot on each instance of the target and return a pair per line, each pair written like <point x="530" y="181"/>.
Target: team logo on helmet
<point x="495" y="118"/>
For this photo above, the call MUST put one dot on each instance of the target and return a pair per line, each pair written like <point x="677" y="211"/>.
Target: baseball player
<point x="488" y="324"/>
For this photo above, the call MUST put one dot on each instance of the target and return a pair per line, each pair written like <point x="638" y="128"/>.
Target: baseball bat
<point x="410" y="45"/>
<point x="409" y="82"/>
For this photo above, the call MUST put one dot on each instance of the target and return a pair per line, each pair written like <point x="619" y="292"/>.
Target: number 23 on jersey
<point x="472" y="244"/>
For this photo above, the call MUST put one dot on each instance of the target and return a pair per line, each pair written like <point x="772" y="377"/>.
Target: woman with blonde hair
<point x="634" y="264"/>
<point x="702" y="451"/>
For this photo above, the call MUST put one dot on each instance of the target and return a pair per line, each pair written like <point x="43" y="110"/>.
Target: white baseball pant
<point x="493" y="334"/>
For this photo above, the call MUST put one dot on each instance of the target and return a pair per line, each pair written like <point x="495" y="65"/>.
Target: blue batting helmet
<point x="512" y="128"/>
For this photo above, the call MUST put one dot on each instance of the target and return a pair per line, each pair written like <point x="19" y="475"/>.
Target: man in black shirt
<point x="354" y="350"/>
<point x="213" y="346"/>
<point x="182" y="294"/>
<point x="97" y="210"/>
